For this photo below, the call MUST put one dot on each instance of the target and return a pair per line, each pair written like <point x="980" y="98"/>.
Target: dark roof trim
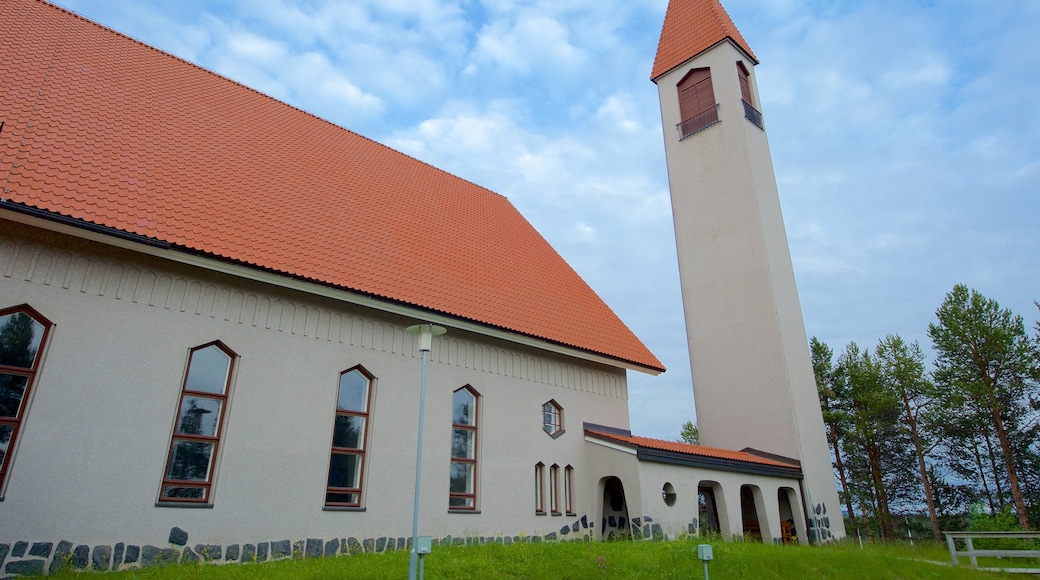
<point x="65" y="220"/>
<point x="772" y="456"/>
<point x="586" y="426"/>
<point x="673" y="458"/>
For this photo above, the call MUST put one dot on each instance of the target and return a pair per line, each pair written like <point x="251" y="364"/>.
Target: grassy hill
<point x="654" y="560"/>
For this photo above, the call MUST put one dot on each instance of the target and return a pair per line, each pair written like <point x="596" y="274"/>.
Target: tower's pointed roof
<point x="690" y="28"/>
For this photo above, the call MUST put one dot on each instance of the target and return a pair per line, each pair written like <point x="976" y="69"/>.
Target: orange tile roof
<point x="691" y="27"/>
<point x="109" y="131"/>
<point x="688" y="449"/>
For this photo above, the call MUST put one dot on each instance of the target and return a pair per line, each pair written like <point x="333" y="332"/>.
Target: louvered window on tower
<point x="750" y="112"/>
<point x="697" y="107"/>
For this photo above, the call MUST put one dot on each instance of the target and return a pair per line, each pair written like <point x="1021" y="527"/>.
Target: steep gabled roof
<point x="107" y="131"/>
<point x="691" y="27"/>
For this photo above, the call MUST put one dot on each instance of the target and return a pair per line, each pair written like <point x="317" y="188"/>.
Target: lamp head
<point x="426" y="333"/>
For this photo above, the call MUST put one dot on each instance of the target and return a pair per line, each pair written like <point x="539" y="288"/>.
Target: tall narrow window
<point x="745" y="83"/>
<point x="23" y="334"/>
<point x="554" y="489"/>
<point x="198" y="425"/>
<point x="697" y="107"/>
<point x="539" y="488"/>
<point x="349" y="438"/>
<point x="750" y="112"/>
<point x="552" y="419"/>
<point x="462" y="490"/>
<point x="568" y="490"/>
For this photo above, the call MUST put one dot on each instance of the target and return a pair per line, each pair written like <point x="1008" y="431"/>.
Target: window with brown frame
<point x="554" y="490"/>
<point x="552" y="418"/>
<point x="197" y="428"/>
<point x="568" y="490"/>
<point x="349" y="439"/>
<point x="745" y="83"/>
<point x="23" y="335"/>
<point x="750" y="112"/>
<point x="697" y="107"/>
<point x="462" y="489"/>
<point x="539" y="488"/>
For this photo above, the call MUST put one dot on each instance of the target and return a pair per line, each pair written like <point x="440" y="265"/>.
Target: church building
<point x="205" y="297"/>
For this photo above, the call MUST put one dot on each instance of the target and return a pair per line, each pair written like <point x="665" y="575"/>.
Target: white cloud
<point x="531" y="42"/>
<point x="905" y="136"/>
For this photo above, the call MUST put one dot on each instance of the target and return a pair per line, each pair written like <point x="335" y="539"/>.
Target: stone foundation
<point x="26" y="558"/>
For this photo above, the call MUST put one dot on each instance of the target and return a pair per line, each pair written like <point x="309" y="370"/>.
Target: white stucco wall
<point x="676" y="520"/>
<point x="92" y="450"/>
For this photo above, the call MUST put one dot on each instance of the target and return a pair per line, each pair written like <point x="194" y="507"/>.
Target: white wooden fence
<point x="973" y="554"/>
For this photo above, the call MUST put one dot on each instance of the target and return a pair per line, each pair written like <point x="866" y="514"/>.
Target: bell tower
<point x="752" y="374"/>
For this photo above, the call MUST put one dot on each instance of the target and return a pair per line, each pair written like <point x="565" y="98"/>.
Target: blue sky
<point x="905" y="136"/>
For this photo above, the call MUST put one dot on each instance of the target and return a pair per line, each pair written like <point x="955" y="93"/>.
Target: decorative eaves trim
<point x="77" y="228"/>
<point x="728" y="39"/>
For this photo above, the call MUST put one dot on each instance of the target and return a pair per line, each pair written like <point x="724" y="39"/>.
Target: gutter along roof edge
<point x="92" y="232"/>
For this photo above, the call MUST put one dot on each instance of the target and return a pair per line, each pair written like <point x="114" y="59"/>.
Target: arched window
<point x="552" y="419"/>
<point x="349" y="439"/>
<point x="697" y="107"/>
<point x="23" y="335"/>
<point x="462" y="490"/>
<point x="198" y="425"/>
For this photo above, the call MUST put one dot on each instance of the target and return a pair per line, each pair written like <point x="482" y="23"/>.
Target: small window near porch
<point x="568" y="490"/>
<point x="668" y="494"/>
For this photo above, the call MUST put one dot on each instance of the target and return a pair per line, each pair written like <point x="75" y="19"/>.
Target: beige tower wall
<point x="752" y="374"/>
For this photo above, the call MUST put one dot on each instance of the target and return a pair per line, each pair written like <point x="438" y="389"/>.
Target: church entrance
<point x="615" y="523"/>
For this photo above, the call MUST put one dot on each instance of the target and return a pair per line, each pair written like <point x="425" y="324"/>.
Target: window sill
<point x="571" y="514"/>
<point x="343" y="508"/>
<point x="457" y="511"/>
<point x="557" y="514"/>
<point x="540" y="512"/>
<point x="555" y="435"/>
<point x="184" y="504"/>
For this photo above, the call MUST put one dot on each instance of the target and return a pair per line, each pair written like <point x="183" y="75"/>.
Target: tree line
<point x="957" y="439"/>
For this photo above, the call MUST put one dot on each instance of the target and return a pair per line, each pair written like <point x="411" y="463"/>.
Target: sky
<point x="905" y="136"/>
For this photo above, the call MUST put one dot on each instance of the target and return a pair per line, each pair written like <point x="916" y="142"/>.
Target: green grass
<point x="655" y="560"/>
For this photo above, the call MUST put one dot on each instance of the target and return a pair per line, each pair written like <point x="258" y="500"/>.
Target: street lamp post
<point x="426" y="333"/>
